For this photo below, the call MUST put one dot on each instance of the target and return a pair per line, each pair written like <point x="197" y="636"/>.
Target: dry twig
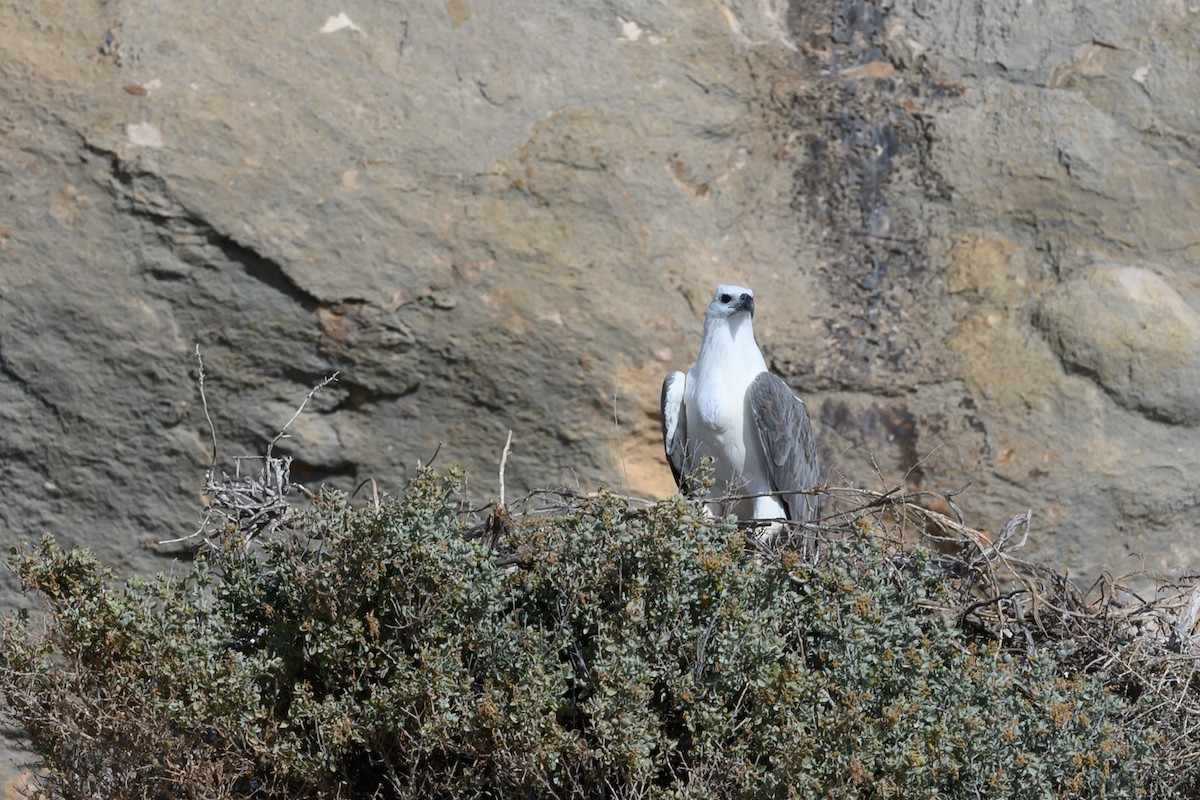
<point x="503" y="462"/>
<point x="249" y="505"/>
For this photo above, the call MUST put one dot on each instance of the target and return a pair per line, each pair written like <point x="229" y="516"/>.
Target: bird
<point x="731" y="407"/>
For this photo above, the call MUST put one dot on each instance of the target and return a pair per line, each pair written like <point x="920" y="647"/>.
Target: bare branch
<point x="212" y="431"/>
<point x="311" y="393"/>
<point x="248" y="505"/>
<point x="503" y="462"/>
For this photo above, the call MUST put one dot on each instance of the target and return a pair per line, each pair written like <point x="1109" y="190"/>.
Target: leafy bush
<point x="594" y="650"/>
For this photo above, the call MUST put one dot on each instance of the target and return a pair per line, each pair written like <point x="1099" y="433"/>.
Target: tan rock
<point x="1134" y="334"/>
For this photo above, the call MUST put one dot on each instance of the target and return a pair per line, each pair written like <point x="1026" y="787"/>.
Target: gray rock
<point x="484" y="218"/>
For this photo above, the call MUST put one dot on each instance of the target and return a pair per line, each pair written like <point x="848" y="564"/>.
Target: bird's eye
<point x="725" y="298"/>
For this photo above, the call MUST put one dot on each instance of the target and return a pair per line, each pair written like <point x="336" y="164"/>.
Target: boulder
<point x="1134" y="334"/>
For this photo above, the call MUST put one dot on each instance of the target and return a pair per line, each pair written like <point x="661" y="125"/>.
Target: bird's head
<point x="731" y="301"/>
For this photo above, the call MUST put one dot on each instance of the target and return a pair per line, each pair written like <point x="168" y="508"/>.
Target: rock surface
<point x="1134" y="335"/>
<point x="972" y="229"/>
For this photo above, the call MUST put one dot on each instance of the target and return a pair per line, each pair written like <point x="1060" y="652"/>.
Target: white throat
<point x="729" y="342"/>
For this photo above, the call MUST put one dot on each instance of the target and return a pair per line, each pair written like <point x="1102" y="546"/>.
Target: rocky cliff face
<point x="1068" y="247"/>
<point x="972" y="230"/>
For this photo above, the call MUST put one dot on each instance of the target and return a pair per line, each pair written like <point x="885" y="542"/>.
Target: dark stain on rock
<point x="864" y="174"/>
<point x="901" y="428"/>
<point x="880" y="427"/>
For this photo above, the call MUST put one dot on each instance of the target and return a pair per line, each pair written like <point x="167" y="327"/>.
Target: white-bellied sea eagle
<point x="730" y="407"/>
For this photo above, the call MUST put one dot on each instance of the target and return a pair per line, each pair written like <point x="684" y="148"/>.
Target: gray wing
<point x="674" y="424"/>
<point x="786" y="435"/>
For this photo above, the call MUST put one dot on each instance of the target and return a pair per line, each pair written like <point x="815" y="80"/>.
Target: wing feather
<point x="786" y="435"/>
<point x="674" y="424"/>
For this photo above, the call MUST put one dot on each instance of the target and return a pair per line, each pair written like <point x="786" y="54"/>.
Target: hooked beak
<point x="745" y="303"/>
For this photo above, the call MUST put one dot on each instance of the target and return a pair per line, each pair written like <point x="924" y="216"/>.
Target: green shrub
<point x="598" y="650"/>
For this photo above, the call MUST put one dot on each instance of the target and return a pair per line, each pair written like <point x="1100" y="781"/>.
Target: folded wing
<point x="674" y="425"/>
<point x="787" y="438"/>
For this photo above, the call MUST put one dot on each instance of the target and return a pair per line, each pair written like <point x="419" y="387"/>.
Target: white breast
<point x="719" y="426"/>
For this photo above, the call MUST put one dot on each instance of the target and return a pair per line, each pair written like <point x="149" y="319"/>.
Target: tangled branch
<point x="252" y="504"/>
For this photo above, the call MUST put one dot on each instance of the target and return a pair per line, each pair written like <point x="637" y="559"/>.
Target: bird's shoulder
<point x="673" y="387"/>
